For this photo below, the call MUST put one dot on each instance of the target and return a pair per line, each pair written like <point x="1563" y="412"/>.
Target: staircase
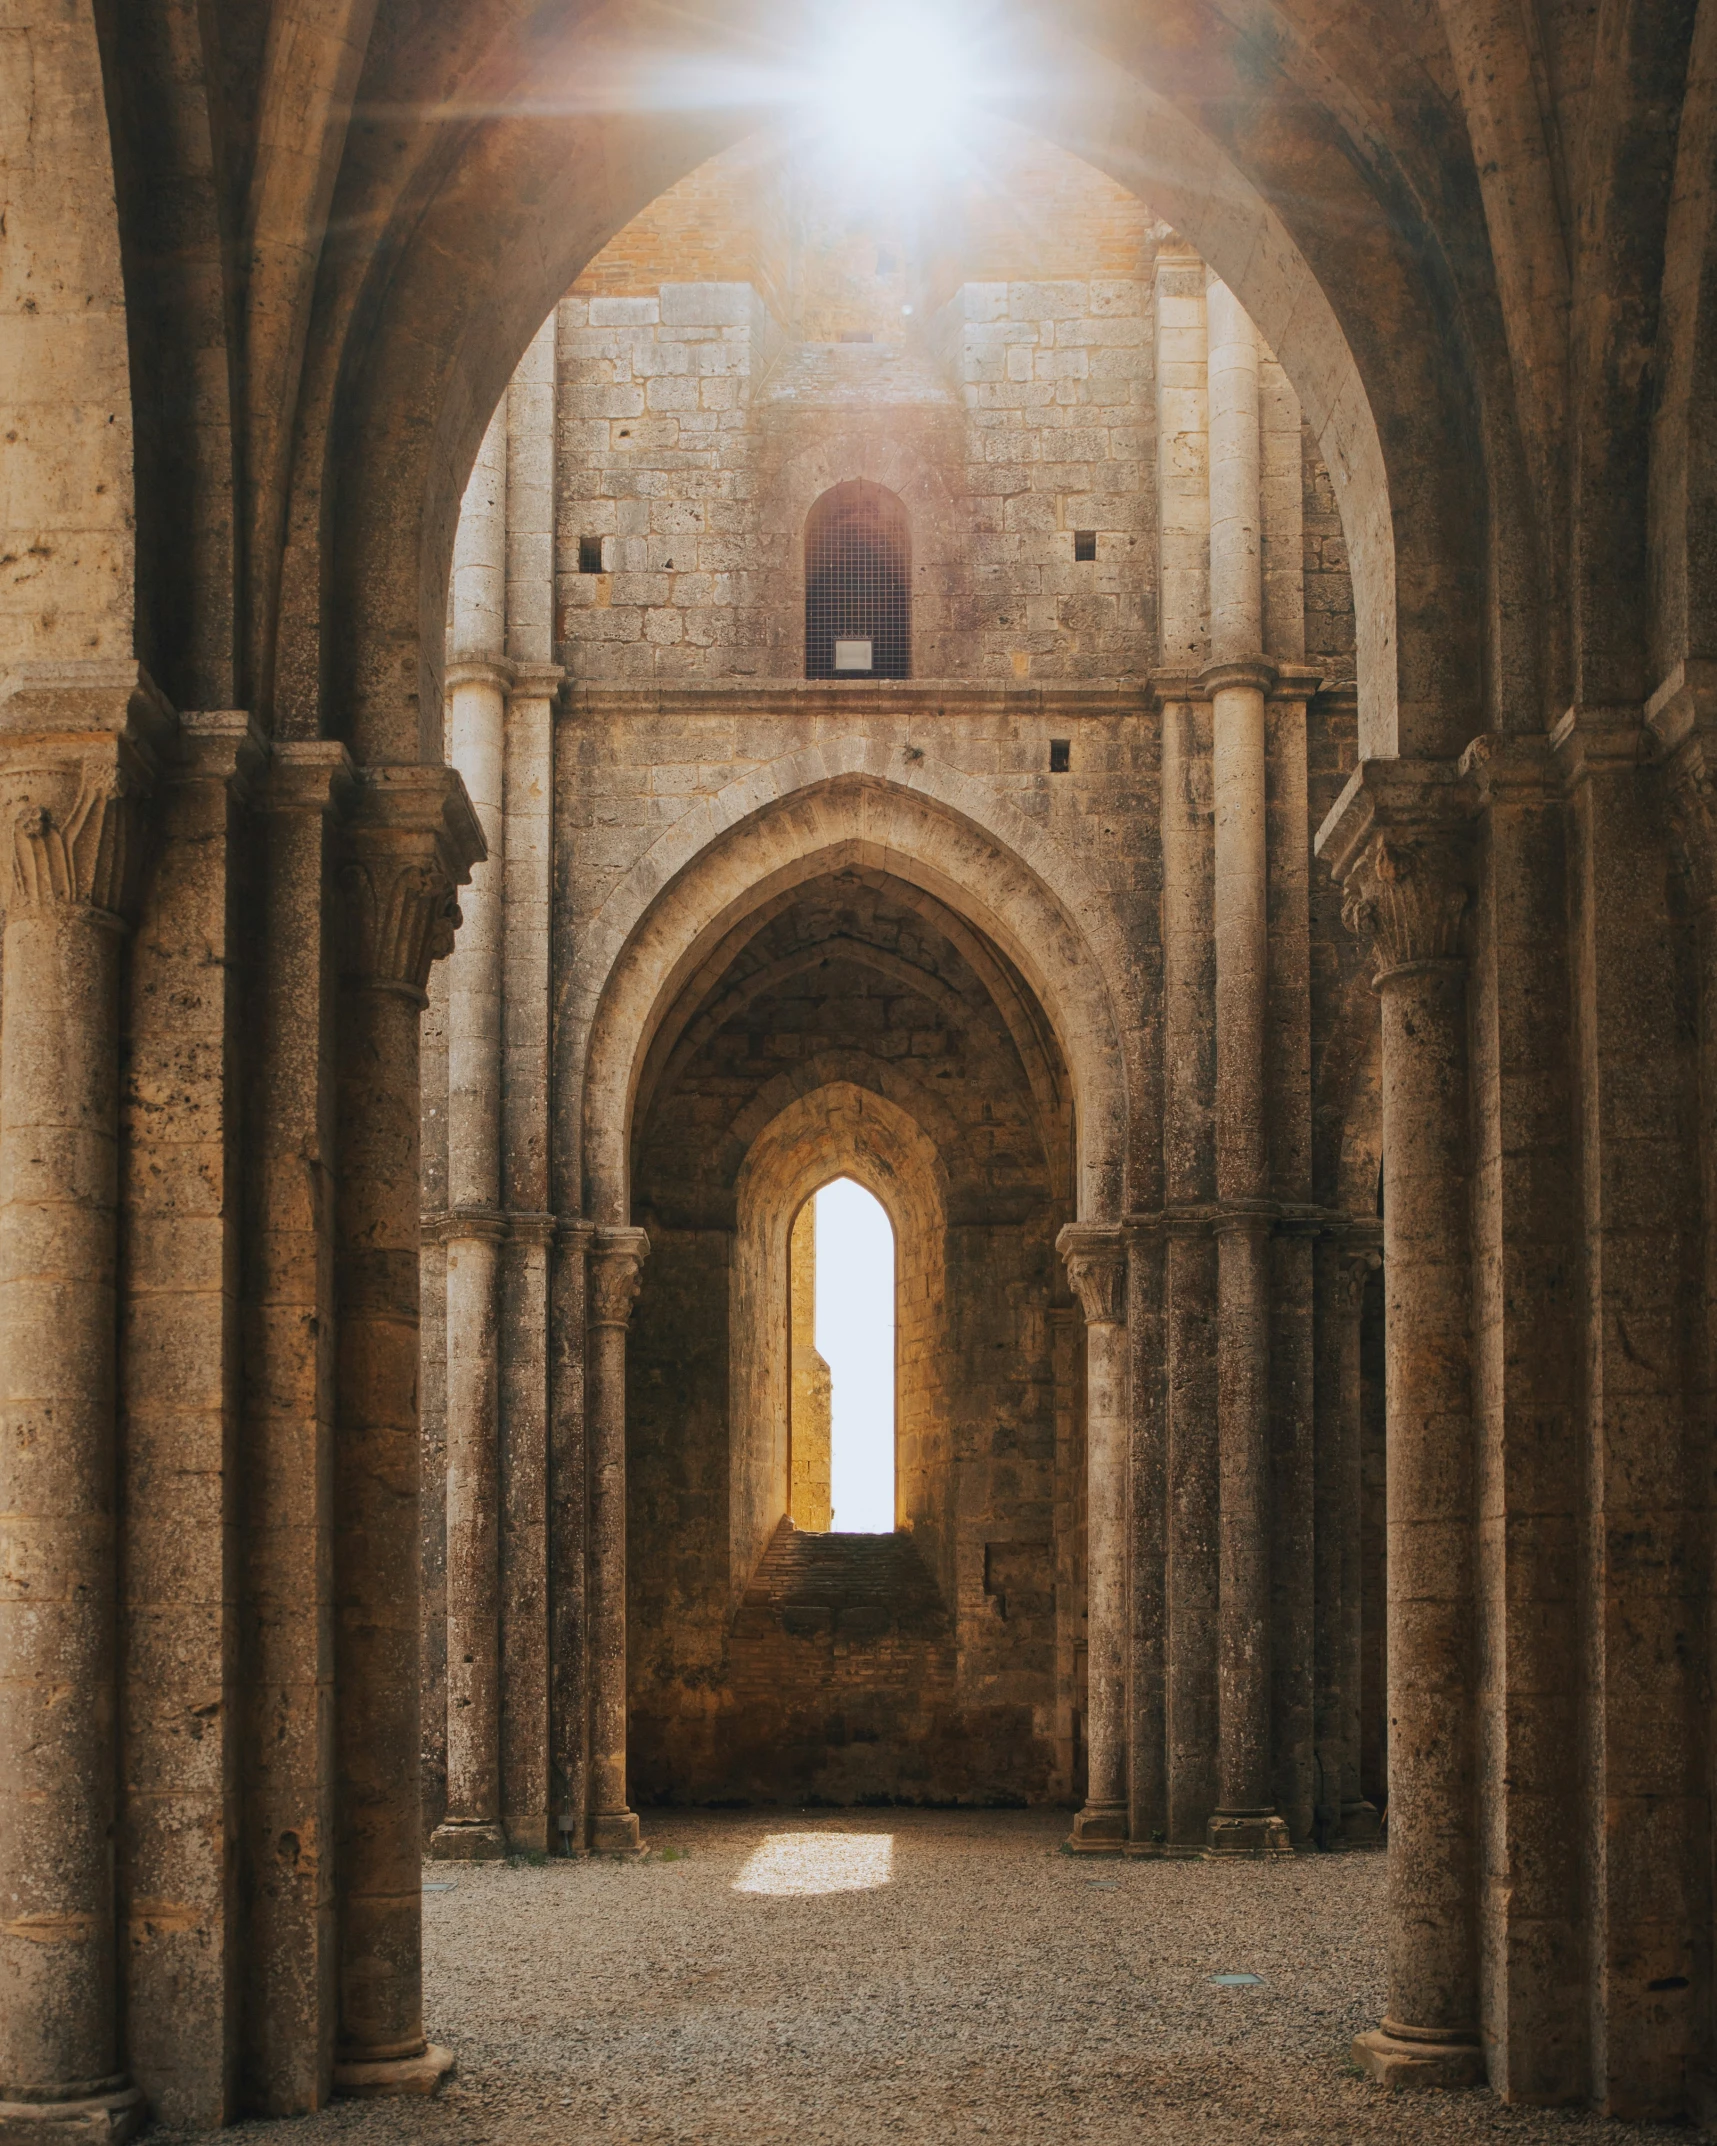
<point x="858" y="1588"/>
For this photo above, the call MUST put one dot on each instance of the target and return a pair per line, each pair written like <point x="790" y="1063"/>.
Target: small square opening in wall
<point x="590" y="555"/>
<point x="1060" y="755"/>
<point x="1084" y="543"/>
<point x="852" y="656"/>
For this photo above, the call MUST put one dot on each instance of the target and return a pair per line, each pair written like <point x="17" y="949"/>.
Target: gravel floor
<point x="963" y="1980"/>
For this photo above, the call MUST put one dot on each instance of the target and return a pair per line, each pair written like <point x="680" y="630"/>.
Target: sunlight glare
<point x="892" y="89"/>
<point x="797" y="1866"/>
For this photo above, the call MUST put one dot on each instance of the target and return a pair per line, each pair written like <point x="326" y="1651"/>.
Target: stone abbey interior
<point x="1080" y="623"/>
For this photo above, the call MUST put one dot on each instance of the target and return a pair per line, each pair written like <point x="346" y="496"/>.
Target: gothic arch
<point x="837" y="1129"/>
<point x="852" y="801"/>
<point x="448" y="332"/>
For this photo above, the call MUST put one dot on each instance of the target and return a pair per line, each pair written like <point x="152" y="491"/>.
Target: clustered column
<point x="73" y="806"/>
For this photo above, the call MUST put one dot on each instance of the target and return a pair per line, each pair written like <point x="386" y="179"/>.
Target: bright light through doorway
<point x="855" y="1338"/>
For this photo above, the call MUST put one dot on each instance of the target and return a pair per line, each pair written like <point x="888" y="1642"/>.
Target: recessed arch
<point x="850" y="802"/>
<point x="837" y="1129"/>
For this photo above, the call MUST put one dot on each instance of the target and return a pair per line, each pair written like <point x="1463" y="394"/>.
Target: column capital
<point x="1397" y="842"/>
<point x="1167" y="686"/>
<point x="308" y="775"/>
<point x="1590" y="740"/>
<point x="222" y="745"/>
<point x="81" y="748"/>
<point x="1095" y="1256"/>
<point x="1252" y="673"/>
<point x="536" y="681"/>
<point x="493" y="671"/>
<point x="617" y="1259"/>
<point x="411" y="839"/>
<point x="1296" y="681"/>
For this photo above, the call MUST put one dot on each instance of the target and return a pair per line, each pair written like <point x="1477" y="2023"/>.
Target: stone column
<point x="1096" y="1260"/>
<point x="1343" y="1813"/>
<point x="1189" y="1257"/>
<point x="569" y="1538"/>
<point x="412" y="839"/>
<point x="526" y="1471"/>
<point x="1245" y="1821"/>
<point x="290" y="1994"/>
<point x="477" y="681"/>
<point x="72" y="805"/>
<point x="1394" y="840"/>
<point x="616" y="1269"/>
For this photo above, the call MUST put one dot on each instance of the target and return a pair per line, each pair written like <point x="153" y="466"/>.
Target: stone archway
<point x="853" y="801"/>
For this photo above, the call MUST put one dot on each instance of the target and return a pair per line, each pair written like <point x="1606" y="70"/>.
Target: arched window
<point x="858" y="585"/>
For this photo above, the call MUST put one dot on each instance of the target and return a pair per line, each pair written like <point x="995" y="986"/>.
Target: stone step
<point x="862" y="1586"/>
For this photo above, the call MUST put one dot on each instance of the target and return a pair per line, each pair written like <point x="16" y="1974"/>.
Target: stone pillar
<point x="1343" y="1813"/>
<point x="477" y="680"/>
<point x="181" y="1134"/>
<point x="1394" y="840"/>
<point x="616" y="1269"/>
<point x="525" y="1602"/>
<point x="1189" y="1254"/>
<point x="291" y="1990"/>
<point x="1096" y="1260"/>
<point x="569" y="1538"/>
<point x="412" y="839"/>
<point x="1245" y="1821"/>
<point x="72" y="804"/>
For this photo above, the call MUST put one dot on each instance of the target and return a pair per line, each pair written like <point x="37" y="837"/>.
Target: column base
<point x="467" y="1840"/>
<point x="425" y="2074"/>
<point x="1099" y="1829"/>
<point x="1405" y="2058"/>
<point x="616" y="1833"/>
<point x="1250" y="1835"/>
<point x="107" y="2118"/>
<point x="1361" y="1825"/>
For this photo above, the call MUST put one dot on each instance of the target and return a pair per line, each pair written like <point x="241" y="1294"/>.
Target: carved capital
<point x="77" y="828"/>
<point x="1408" y="895"/>
<point x="410" y="844"/>
<point x="1095" y="1256"/>
<point x="617" y="1259"/>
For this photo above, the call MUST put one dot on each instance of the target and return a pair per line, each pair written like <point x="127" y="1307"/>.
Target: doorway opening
<point x="842" y="1338"/>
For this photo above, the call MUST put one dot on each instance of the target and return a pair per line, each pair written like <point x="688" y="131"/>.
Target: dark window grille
<point x="858" y="585"/>
<point x="590" y="555"/>
<point x="1084" y="543"/>
<point x="1060" y="756"/>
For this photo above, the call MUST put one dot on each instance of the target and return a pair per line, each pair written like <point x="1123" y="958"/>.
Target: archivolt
<point x="853" y="801"/>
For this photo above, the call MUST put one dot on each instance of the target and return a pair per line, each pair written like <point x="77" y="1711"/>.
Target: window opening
<point x="1084" y="543"/>
<point x="1060" y="755"/>
<point x="858" y="585"/>
<point x="590" y="555"/>
<point x="848" y="1383"/>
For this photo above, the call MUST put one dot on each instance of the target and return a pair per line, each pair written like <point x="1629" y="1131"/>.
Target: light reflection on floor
<point x="800" y="1865"/>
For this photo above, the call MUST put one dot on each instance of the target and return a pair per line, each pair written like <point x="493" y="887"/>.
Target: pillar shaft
<point x="1096" y="1262"/>
<point x="616" y="1270"/>
<point x="476" y="738"/>
<point x="73" y="815"/>
<point x="1343" y="1814"/>
<point x="291" y="1986"/>
<point x="411" y="840"/>
<point x="1404" y="883"/>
